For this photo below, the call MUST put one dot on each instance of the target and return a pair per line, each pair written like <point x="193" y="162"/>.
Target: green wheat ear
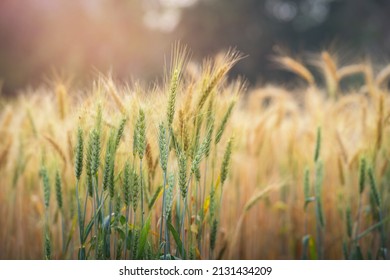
<point x="79" y="154"/>
<point x="209" y="136"/>
<point x="318" y="189"/>
<point x="349" y="222"/>
<point x="222" y="126"/>
<point x="135" y="140"/>
<point x="183" y="174"/>
<point x="47" y="247"/>
<point x="88" y="164"/>
<point x="318" y="145"/>
<point x="95" y="151"/>
<point x="163" y="147"/>
<point x="108" y="161"/>
<point x="112" y="180"/>
<point x="374" y="188"/>
<point x="126" y="184"/>
<point x="169" y="194"/>
<point x="135" y="244"/>
<point x="213" y="234"/>
<point x="135" y="191"/>
<point x="46" y="186"/>
<point x="226" y="161"/>
<point x="210" y="115"/>
<point x="58" y="184"/>
<point x="198" y="157"/>
<point x="141" y="134"/>
<point x="120" y="131"/>
<point x="107" y="170"/>
<point x="212" y="203"/>
<point x="306" y="187"/>
<point x="362" y="174"/>
<point x="117" y="209"/>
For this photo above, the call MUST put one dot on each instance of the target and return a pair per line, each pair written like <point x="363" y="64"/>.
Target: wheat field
<point x="199" y="166"/>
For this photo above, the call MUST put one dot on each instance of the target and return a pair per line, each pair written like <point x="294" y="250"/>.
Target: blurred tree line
<point x="131" y="37"/>
<point x="260" y="28"/>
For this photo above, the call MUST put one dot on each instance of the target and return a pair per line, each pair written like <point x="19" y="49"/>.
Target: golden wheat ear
<point x="215" y="73"/>
<point x="329" y="68"/>
<point x="62" y="100"/>
<point x="350" y="70"/>
<point x="294" y="66"/>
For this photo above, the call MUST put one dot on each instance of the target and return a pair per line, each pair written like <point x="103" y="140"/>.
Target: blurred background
<point x="132" y="37"/>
